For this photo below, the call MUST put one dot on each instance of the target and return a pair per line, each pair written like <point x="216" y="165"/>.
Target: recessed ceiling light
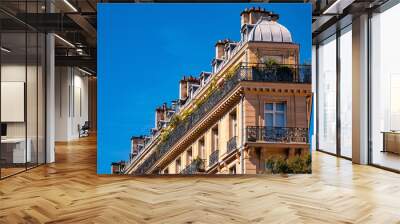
<point x="5" y="50"/>
<point x="84" y="71"/>
<point x="64" y="40"/>
<point x="70" y="5"/>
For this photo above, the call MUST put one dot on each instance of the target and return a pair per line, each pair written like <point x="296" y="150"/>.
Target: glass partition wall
<point x="346" y="95"/>
<point x="22" y="98"/>
<point x="334" y="88"/>
<point x="327" y="98"/>
<point x="334" y="94"/>
<point x="385" y="89"/>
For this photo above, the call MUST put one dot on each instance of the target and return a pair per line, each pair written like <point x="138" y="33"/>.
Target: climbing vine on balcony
<point x="176" y="119"/>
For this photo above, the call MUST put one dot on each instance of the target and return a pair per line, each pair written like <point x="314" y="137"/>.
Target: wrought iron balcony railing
<point x="231" y="145"/>
<point x="245" y="72"/>
<point x="277" y="134"/>
<point x="196" y="166"/>
<point x="213" y="158"/>
<point x="276" y="73"/>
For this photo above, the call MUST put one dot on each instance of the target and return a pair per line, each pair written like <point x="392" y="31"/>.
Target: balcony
<point x="213" y="158"/>
<point x="277" y="134"/>
<point x="281" y="73"/>
<point x="255" y="72"/>
<point x="231" y="145"/>
<point x="196" y="166"/>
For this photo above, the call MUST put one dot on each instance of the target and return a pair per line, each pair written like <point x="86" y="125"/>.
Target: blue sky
<point x="145" y="49"/>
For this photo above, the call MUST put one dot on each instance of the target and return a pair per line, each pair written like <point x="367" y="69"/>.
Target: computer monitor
<point x="3" y="129"/>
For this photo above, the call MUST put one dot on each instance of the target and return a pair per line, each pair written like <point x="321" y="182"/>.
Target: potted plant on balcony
<point x="285" y="74"/>
<point x="267" y="72"/>
<point x="199" y="164"/>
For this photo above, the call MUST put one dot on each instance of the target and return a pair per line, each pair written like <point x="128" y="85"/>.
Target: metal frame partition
<point x="334" y="30"/>
<point x="35" y="57"/>
<point x="380" y="9"/>
<point x="343" y="21"/>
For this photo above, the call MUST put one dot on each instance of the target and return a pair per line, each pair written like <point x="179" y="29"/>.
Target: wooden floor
<point x="5" y="172"/>
<point x="69" y="191"/>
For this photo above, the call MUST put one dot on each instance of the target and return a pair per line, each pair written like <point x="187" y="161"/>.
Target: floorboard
<point x="69" y="191"/>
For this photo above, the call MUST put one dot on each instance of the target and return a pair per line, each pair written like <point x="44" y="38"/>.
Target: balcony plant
<point x="284" y="73"/>
<point x="278" y="71"/>
<point x="296" y="164"/>
<point x="270" y="62"/>
<point x="299" y="164"/>
<point x="176" y="119"/>
<point x="198" y="163"/>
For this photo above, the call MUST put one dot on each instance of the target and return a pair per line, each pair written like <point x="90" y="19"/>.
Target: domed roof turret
<point x="269" y="30"/>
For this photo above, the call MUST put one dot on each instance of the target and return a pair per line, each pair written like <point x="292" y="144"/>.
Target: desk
<point x="13" y="150"/>
<point x="391" y="141"/>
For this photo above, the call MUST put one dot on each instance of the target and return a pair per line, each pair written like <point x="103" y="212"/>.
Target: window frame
<point x="274" y="112"/>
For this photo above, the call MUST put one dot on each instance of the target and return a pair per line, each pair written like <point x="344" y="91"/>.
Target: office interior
<point x="356" y="81"/>
<point x="48" y="79"/>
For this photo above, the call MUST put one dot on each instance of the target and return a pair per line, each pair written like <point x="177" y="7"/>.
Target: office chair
<point x="84" y="130"/>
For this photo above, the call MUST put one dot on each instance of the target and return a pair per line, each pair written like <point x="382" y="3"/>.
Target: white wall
<point x="12" y="73"/>
<point x="33" y="127"/>
<point x="71" y="102"/>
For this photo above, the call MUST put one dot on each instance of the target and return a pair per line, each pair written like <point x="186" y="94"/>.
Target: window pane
<point x="269" y="106"/>
<point x="280" y="120"/>
<point x="268" y="119"/>
<point x="280" y="107"/>
<point x="327" y="95"/>
<point x="346" y="93"/>
<point x="385" y="89"/>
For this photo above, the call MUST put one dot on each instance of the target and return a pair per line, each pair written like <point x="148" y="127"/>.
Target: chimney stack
<point x="137" y="143"/>
<point x="252" y="15"/>
<point x="160" y="115"/>
<point x="220" y="48"/>
<point x="184" y="86"/>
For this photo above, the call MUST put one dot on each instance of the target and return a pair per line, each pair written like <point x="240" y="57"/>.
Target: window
<point x="346" y="92"/>
<point x="326" y="97"/>
<point x="214" y="139"/>
<point x="334" y="108"/>
<point x="385" y="89"/>
<point x="166" y="171"/>
<point x="275" y="114"/>
<point x="233" y="124"/>
<point x="189" y="156"/>
<point x="201" y="148"/>
<point x="232" y="170"/>
<point x="178" y="165"/>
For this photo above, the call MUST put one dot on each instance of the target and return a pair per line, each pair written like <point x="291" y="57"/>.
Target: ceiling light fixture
<point x="64" y="40"/>
<point x="70" y="5"/>
<point x="84" y="71"/>
<point x="5" y="50"/>
<point x="337" y="7"/>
